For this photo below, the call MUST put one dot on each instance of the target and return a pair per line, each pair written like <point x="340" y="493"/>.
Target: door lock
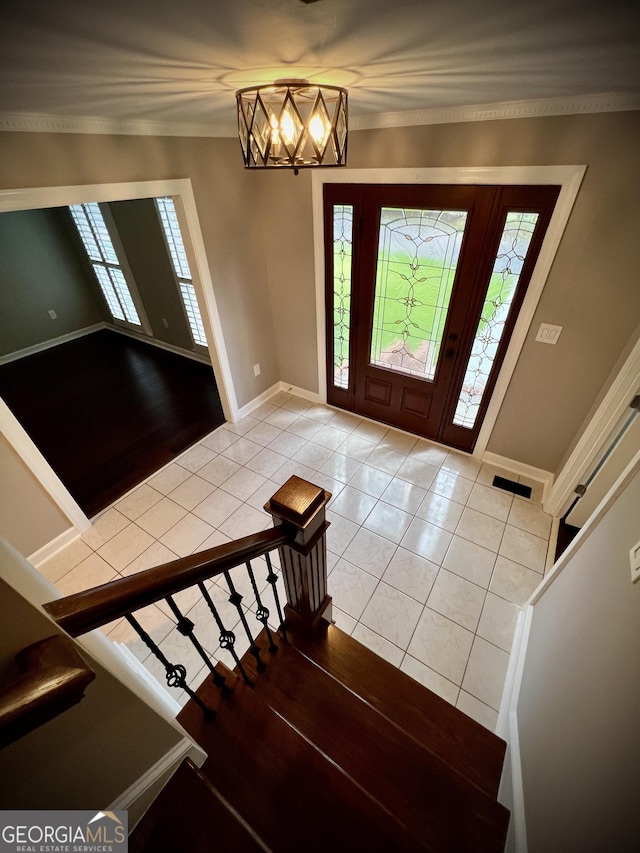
<point x="449" y="353"/>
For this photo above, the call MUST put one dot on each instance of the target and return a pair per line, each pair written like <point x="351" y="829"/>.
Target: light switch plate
<point x="548" y="334"/>
<point x="634" y="558"/>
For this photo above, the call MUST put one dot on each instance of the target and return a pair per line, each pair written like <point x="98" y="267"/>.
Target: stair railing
<point x="299" y="535"/>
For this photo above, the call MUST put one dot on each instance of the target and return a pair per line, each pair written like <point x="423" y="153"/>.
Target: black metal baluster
<point x="262" y="612"/>
<point x="227" y="638"/>
<point x="176" y="673"/>
<point x="272" y="578"/>
<point x="185" y="627"/>
<point x="236" y="599"/>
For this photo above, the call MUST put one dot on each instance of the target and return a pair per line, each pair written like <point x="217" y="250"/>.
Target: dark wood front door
<point x="424" y="284"/>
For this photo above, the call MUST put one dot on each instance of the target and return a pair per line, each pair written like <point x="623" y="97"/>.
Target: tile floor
<point x="429" y="564"/>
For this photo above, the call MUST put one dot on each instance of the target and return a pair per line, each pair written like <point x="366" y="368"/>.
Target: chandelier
<point x="292" y="124"/>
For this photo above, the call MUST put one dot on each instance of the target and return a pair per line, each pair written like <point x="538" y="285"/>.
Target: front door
<point x="424" y="284"/>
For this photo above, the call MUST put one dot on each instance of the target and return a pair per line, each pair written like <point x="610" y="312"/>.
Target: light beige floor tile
<point x="186" y="535"/>
<point x="345" y="421"/>
<point x="217" y="507"/>
<point x="330" y="437"/>
<point x="243" y="521"/>
<point x="377" y="433"/>
<point x="470" y="561"/>
<point x="104" y="527"/>
<point x="457" y="599"/>
<point x="161" y="517"/>
<point x="352" y="587"/>
<point x="458" y="463"/>
<point x="442" y="645"/>
<point x="386" y="459"/>
<point x="263" y="411"/>
<point x="411" y="574"/>
<point x="430" y="679"/>
<point x="138" y="501"/>
<point x="392" y="615"/>
<point x="490" y="501"/>
<point x="340" y="532"/>
<point x="404" y="495"/>
<point x="65" y="560"/>
<point x="243" y="483"/>
<point x="313" y="455"/>
<point x="242" y="427"/>
<point x="190" y="493"/>
<point x="453" y="486"/>
<point x="440" y="511"/>
<point x="370" y="552"/>
<point x="370" y="480"/>
<point x="477" y="710"/>
<point x="170" y="477"/>
<point x="524" y="548"/>
<point x="340" y="467"/>
<point x="513" y="582"/>
<point x="427" y="540"/>
<point x="353" y="504"/>
<point x="417" y="472"/>
<point x="498" y="621"/>
<point x="263" y="433"/>
<point x="531" y="518"/>
<point x="343" y="621"/>
<point x="281" y="418"/>
<point x="92" y="571"/>
<point x="402" y="442"/>
<point x="388" y="521"/>
<point x="290" y="468"/>
<point x="382" y="647"/>
<point x="485" y="673"/>
<point x="241" y="450"/>
<point x="483" y="530"/>
<point x="220" y="439"/>
<point x="126" y="546"/>
<point x="155" y="555"/>
<point x="304" y="427"/>
<point x="218" y="470"/>
<point x="425" y="451"/>
<point x="195" y="458"/>
<point x="356" y="447"/>
<point x="287" y="444"/>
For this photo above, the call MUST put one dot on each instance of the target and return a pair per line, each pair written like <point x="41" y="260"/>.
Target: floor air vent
<point x="512" y="486"/>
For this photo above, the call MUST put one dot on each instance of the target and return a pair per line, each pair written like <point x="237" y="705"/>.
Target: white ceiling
<point x="179" y="61"/>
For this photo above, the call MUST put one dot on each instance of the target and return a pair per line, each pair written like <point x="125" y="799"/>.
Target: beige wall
<point x="29" y="518"/>
<point x="579" y="702"/>
<point x="592" y="290"/>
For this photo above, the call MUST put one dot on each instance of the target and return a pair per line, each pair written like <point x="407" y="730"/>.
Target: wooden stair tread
<point x="438" y="806"/>
<point x="458" y="740"/>
<point x="189" y="814"/>
<point x="283" y="787"/>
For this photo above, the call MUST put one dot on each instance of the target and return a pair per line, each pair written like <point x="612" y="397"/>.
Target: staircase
<point x="331" y="749"/>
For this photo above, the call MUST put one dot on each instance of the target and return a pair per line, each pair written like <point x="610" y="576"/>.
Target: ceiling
<point x="178" y="62"/>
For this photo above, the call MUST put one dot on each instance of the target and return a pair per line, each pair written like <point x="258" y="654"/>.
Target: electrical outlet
<point x="53" y="314"/>
<point x="256" y="370"/>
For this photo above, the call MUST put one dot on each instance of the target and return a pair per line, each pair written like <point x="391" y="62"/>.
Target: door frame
<point x="35" y="198"/>
<point x="568" y="178"/>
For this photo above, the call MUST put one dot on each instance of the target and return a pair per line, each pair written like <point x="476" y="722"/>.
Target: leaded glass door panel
<point x="423" y="288"/>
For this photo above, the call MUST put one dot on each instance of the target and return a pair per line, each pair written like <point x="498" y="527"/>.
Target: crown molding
<point x="611" y="102"/>
<point x="44" y="123"/>
<point x="576" y="105"/>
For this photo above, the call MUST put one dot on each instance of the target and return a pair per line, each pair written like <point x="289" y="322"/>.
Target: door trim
<point x="569" y="178"/>
<point x="60" y="196"/>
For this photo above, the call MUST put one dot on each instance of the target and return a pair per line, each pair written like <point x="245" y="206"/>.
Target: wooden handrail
<point x="95" y="607"/>
<point x="51" y="678"/>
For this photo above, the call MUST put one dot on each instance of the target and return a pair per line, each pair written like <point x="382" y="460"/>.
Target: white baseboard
<point x="521" y="469"/>
<point x="507" y="726"/>
<point x="53" y="547"/>
<point x="136" y="797"/>
<point x="148" y="339"/>
<point x="52" y="342"/>
<point x="311" y="396"/>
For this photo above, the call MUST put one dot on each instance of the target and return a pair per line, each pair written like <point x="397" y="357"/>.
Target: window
<point x="175" y="245"/>
<point x="105" y="262"/>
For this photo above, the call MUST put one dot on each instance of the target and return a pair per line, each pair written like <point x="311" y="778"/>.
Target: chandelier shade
<point x="292" y="124"/>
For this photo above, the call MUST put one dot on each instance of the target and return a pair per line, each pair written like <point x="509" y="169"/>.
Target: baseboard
<point x="310" y="396"/>
<point x="139" y="796"/>
<point x="148" y="339"/>
<point x="507" y="728"/>
<point x="53" y="547"/>
<point x="258" y="401"/>
<point x="521" y="469"/>
<point x="53" y="342"/>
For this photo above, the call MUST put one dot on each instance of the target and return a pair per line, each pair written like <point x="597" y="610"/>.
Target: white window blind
<point x="104" y="260"/>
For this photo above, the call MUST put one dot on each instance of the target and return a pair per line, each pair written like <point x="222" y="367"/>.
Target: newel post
<point x="300" y="507"/>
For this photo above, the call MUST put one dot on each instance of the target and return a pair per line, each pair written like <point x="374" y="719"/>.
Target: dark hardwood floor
<point x="107" y="410"/>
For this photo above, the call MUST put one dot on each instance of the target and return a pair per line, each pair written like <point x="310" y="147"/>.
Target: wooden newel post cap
<point x="298" y="502"/>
